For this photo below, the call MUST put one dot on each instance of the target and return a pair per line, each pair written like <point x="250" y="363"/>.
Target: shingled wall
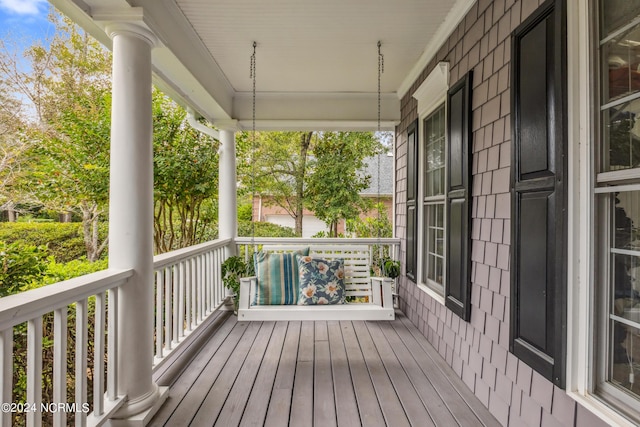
<point x="478" y="351"/>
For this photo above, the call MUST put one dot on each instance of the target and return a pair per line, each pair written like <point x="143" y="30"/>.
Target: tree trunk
<point x="305" y="143"/>
<point x="333" y="229"/>
<point x="90" y="222"/>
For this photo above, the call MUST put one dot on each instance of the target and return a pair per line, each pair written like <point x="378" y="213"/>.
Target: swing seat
<point x="373" y="295"/>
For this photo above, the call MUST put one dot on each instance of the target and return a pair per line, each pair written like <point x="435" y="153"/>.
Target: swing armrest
<point x="246" y="285"/>
<point x="382" y="291"/>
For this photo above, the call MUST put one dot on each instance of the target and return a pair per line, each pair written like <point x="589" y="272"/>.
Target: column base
<point x="141" y="419"/>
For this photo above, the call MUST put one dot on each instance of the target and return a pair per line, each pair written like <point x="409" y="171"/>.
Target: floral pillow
<point x="321" y="281"/>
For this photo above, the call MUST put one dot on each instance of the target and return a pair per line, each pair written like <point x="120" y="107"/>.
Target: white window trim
<point x="581" y="323"/>
<point x="431" y="94"/>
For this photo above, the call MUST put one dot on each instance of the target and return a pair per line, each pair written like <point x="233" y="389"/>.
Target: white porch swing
<point x="273" y="294"/>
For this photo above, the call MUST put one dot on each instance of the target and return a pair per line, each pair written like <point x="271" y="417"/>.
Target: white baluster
<point x="6" y="377"/>
<point x="167" y="308"/>
<point x="159" y="286"/>
<point x="98" y="355"/>
<point x="60" y="317"/>
<point x="81" y="359"/>
<point x="112" y="346"/>
<point x="34" y="370"/>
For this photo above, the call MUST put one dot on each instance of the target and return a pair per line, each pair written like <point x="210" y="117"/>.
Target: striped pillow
<point x="277" y="275"/>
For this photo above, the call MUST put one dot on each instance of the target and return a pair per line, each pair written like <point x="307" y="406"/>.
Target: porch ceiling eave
<point x="317" y="111"/>
<point x="200" y="86"/>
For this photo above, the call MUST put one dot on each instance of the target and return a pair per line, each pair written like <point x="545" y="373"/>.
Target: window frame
<point x="583" y="71"/>
<point x="427" y="201"/>
<point x="606" y="185"/>
<point x="430" y="96"/>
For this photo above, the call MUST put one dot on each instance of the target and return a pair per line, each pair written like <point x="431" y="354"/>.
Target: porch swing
<point x="312" y="282"/>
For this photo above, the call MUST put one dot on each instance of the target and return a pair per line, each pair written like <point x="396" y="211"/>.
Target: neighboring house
<point x="379" y="190"/>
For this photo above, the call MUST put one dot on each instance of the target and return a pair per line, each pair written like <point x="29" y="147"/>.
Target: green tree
<point x="185" y="176"/>
<point x="67" y="81"/>
<point x="335" y="185"/>
<point x="278" y="168"/>
<point x="13" y="146"/>
<point x="376" y="226"/>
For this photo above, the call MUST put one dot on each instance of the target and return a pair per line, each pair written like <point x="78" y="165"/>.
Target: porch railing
<point x="53" y="306"/>
<point x="188" y="287"/>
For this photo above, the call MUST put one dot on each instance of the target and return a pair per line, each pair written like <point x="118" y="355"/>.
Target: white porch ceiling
<point x="316" y="60"/>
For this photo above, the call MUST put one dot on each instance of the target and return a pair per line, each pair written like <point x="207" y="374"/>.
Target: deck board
<point x="409" y="398"/>
<point x="319" y="374"/>
<point x="187" y="393"/>
<point x="431" y="398"/>
<point x="482" y="414"/>
<point x="347" y="413"/>
<point x="280" y="403"/>
<point x="368" y="404"/>
<point x="258" y="402"/>
<point x="234" y="406"/>
<point x="302" y="401"/>
<point x="211" y="406"/>
<point x="390" y="404"/>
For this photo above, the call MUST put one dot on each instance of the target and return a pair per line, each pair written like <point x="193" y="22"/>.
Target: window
<point x="443" y="216"/>
<point x="618" y="205"/>
<point x="428" y="231"/>
<point x="434" y="199"/>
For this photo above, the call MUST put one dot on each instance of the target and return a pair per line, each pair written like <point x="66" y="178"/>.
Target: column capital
<point x="126" y="21"/>
<point x="228" y="125"/>
<point x="137" y="30"/>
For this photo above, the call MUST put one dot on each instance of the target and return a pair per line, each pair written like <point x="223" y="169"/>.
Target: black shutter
<point x="412" y="193"/>
<point x="538" y="276"/>
<point x="458" y="211"/>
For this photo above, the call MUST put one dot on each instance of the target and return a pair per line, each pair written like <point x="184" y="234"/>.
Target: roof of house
<point x="386" y="174"/>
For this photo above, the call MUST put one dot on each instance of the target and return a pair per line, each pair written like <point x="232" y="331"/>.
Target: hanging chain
<point x="252" y="75"/>
<point x="380" y="71"/>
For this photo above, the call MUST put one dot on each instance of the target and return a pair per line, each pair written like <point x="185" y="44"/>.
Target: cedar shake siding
<point x="478" y="350"/>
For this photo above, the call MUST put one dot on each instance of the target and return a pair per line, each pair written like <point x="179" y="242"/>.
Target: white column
<point x="228" y="205"/>
<point x="131" y="211"/>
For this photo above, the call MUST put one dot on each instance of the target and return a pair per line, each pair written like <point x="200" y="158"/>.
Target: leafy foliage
<point x="377" y="226"/>
<point x="335" y="185"/>
<point x="67" y="83"/>
<point x="64" y="241"/>
<point x="232" y="269"/>
<point x="20" y="265"/>
<point x="264" y="229"/>
<point x="185" y="176"/>
<point x="278" y="168"/>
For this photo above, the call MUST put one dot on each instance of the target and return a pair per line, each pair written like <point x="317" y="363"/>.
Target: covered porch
<point x="153" y="340"/>
<point x="208" y="368"/>
<point x="146" y="319"/>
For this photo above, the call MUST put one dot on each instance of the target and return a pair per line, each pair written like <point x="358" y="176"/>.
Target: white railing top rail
<point x="315" y="241"/>
<point x="172" y="257"/>
<point x="18" y="308"/>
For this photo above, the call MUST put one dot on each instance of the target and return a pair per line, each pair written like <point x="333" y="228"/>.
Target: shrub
<point x="64" y="241"/>
<point x="264" y="229"/>
<point x="20" y="265"/>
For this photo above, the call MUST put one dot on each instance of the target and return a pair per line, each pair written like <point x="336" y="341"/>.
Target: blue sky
<point x="22" y="21"/>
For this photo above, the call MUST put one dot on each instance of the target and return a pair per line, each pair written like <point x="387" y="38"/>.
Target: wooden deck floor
<point x="315" y="374"/>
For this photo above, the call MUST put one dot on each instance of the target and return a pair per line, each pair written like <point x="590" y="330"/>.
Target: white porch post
<point x="131" y="215"/>
<point x="227" y="209"/>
